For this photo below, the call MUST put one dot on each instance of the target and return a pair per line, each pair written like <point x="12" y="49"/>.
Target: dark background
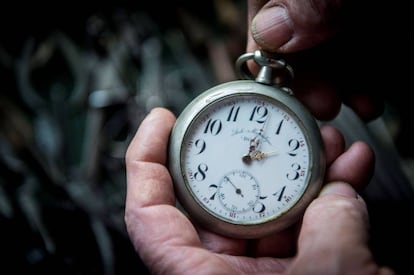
<point x="77" y="80"/>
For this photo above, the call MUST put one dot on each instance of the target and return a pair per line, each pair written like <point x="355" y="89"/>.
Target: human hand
<point x="332" y="238"/>
<point x="326" y="69"/>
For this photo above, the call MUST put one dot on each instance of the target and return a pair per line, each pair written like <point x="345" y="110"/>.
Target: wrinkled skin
<point x="332" y="239"/>
<point x="303" y="31"/>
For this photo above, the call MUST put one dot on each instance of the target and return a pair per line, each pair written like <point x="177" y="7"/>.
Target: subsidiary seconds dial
<point x="238" y="192"/>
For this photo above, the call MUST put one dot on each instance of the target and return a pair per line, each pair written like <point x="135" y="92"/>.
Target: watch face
<point x="245" y="159"/>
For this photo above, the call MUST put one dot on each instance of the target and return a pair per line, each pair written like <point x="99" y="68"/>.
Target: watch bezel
<point x="190" y="203"/>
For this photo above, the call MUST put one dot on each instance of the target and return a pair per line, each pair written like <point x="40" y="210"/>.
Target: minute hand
<point x="257" y="140"/>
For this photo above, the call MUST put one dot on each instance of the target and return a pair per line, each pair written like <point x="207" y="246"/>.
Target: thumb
<point x="335" y="229"/>
<point x="338" y="216"/>
<point x="287" y="26"/>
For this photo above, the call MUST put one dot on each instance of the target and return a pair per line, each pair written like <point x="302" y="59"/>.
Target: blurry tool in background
<point x="66" y="120"/>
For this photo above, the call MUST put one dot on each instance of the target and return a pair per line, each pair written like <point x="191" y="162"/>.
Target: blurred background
<point x="77" y="79"/>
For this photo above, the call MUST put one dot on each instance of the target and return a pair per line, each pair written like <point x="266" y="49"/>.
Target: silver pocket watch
<point x="246" y="156"/>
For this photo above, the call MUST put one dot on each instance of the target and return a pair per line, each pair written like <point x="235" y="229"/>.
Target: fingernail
<point x="339" y="188"/>
<point x="271" y="28"/>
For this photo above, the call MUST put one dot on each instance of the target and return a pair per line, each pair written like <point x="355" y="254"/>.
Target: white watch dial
<point x="246" y="159"/>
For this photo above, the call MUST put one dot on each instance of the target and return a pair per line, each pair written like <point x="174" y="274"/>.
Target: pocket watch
<point x="246" y="157"/>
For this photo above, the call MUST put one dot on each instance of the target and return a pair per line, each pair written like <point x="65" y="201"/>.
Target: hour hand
<point x="258" y="155"/>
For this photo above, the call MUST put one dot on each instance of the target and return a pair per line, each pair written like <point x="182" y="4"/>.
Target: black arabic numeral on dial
<point x="215" y="187"/>
<point x="279" y="127"/>
<point x="280" y="193"/>
<point x="213" y="127"/>
<point x="259" y="207"/>
<point x="200" y="145"/>
<point x="259" y="114"/>
<point x="294" y="175"/>
<point x="200" y="175"/>
<point x="234" y="112"/>
<point x="293" y="145"/>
